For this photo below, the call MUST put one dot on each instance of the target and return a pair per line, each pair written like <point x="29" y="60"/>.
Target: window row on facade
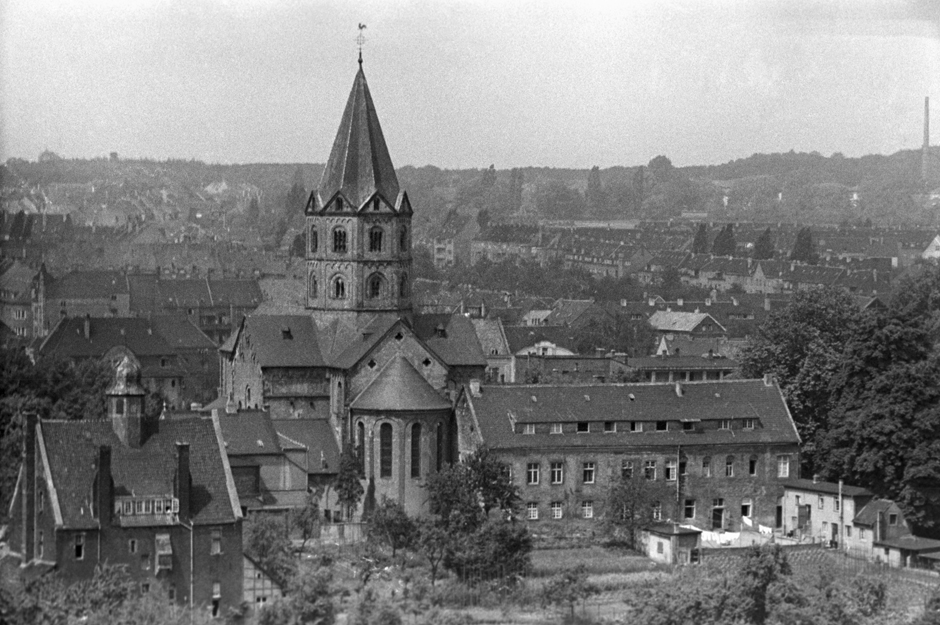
<point x="557" y="510"/>
<point x="377" y="287"/>
<point x="340" y="243"/>
<point x="728" y="466"/>
<point x="612" y="427"/>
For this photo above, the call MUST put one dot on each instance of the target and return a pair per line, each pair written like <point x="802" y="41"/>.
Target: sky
<point x="468" y="83"/>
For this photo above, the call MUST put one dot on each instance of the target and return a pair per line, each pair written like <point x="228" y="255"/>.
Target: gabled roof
<point x="284" y="340"/>
<point x="671" y="321"/>
<point x="521" y="337"/>
<point x="181" y="333"/>
<point x="458" y="345"/>
<point x="868" y="515"/>
<point x="359" y="163"/>
<point x="318" y="437"/>
<point x="399" y="387"/>
<point x="138" y="335"/>
<point x="72" y="452"/>
<point x="88" y="285"/>
<point x="498" y="408"/>
<point x="249" y="433"/>
<point x="491" y="336"/>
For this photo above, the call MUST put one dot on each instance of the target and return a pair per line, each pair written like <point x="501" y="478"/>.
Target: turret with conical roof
<point x="358" y="222"/>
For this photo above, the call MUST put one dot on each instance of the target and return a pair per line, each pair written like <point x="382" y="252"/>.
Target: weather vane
<point x="361" y="39"/>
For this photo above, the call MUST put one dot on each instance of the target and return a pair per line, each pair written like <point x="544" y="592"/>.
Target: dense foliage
<point x="862" y="388"/>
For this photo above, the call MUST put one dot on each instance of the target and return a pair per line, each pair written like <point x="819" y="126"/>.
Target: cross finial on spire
<point x="361" y="40"/>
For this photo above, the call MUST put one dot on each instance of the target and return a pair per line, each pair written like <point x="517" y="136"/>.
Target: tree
<point x="348" y="485"/>
<point x="514" y="198"/>
<point x="433" y="542"/>
<point x="760" y="567"/>
<point x="802" y="345"/>
<point x="568" y="588"/>
<point x="390" y="525"/>
<point x="725" y="244"/>
<point x="267" y="543"/>
<point x="631" y="502"/>
<point x="804" y="250"/>
<point x="298" y="246"/>
<point x="306" y="518"/>
<point x="463" y="494"/>
<point x="764" y="246"/>
<point x="253" y="211"/>
<point x="700" y="242"/>
<point x="885" y="404"/>
<point x="595" y="194"/>
<point x="670" y="282"/>
<point x="497" y="549"/>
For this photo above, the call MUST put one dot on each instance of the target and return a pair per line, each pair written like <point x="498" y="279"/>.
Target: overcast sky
<point x="463" y="83"/>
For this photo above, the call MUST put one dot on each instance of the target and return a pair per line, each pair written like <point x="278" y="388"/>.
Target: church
<point x="383" y="377"/>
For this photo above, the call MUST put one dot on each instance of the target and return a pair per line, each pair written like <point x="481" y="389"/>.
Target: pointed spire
<point x="359" y="163"/>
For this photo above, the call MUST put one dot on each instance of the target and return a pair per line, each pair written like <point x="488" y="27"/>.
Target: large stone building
<point x="362" y="361"/>
<point x="716" y="451"/>
<point x="154" y="495"/>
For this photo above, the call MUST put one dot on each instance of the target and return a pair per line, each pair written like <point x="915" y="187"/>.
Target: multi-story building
<point x="156" y="496"/>
<point x="717" y="452"/>
<point x="823" y="511"/>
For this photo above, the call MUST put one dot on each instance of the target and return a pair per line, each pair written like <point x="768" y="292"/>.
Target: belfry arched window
<point x="312" y="286"/>
<point x="339" y="288"/>
<point x="385" y="450"/>
<point x="339" y="241"/>
<point x="312" y="238"/>
<point x="403" y="239"/>
<point x="361" y="446"/>
<point x="375" y="239"/>
<point x="374" y="286"/>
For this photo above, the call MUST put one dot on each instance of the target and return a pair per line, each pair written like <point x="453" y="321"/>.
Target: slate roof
<point x="181" y="333"/>
<point x="359" y="163"/>
<point x="828" y="488"/>
<point x="568" y="311"/>
<point x="249" y="433"/>
<point x="68" y="337"/>
<point x="521" y="337"/>
<point x="88" y="285"/>
<point x="498" y="407"/>
<point x="399" y="387"/>
<point x="284" y="340"/>
<point x="17" y="278"/>
<point x="72" y="452"/>
<point x="491" y="337"/>
<point x="459" y="346"/>
<point x="663" y="321"/>
<point x="869" y="514"/>
<point x="150" y="293"/>
<point x="318" y="437"/>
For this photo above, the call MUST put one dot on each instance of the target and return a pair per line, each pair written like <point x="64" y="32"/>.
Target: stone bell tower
<point x="358" y="223"/>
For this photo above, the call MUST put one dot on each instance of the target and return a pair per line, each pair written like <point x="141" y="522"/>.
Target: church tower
<point x="358" y="223"/>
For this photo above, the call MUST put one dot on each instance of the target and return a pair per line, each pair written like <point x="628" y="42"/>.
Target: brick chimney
<point x="183" y="480"/>
<point x="105" y="503"/>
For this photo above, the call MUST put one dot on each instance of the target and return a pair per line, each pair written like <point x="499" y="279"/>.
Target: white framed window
<point x="216" y="547"/>
<point x="78" y="544"/>
<point x="835" y="501"/>
<point x="689" y="509"/>
<point x="706" y="466"/>
<point x="750" y="424"/>
<point x="528" y="428"/>
<point x="626" y="469"/>
<point x="821" y="502"/>
<point x="724" y="424"/>
<point x="556" y="428"/>
<point x="556" y="510"/>
<point x="558" y="472"/>
<point x="636" y="426"/>
<point x="583" y="427"/>
<point x="670" y="470"/>
<point x="587" y="509"/>
<point x="158" y="506"/>
<point x="657" y="511"/>
<point x="729" y="466"/>
<point x="139" y="506"/>
<point x="783" y="466"/>
<point x="532" y="473"/>
<point x="532" y="511"/>
<point x="610" y="427"/>
<point x="649" y="469"/>
<point x="587" y="472"/>
<point x="747" y="507"/>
